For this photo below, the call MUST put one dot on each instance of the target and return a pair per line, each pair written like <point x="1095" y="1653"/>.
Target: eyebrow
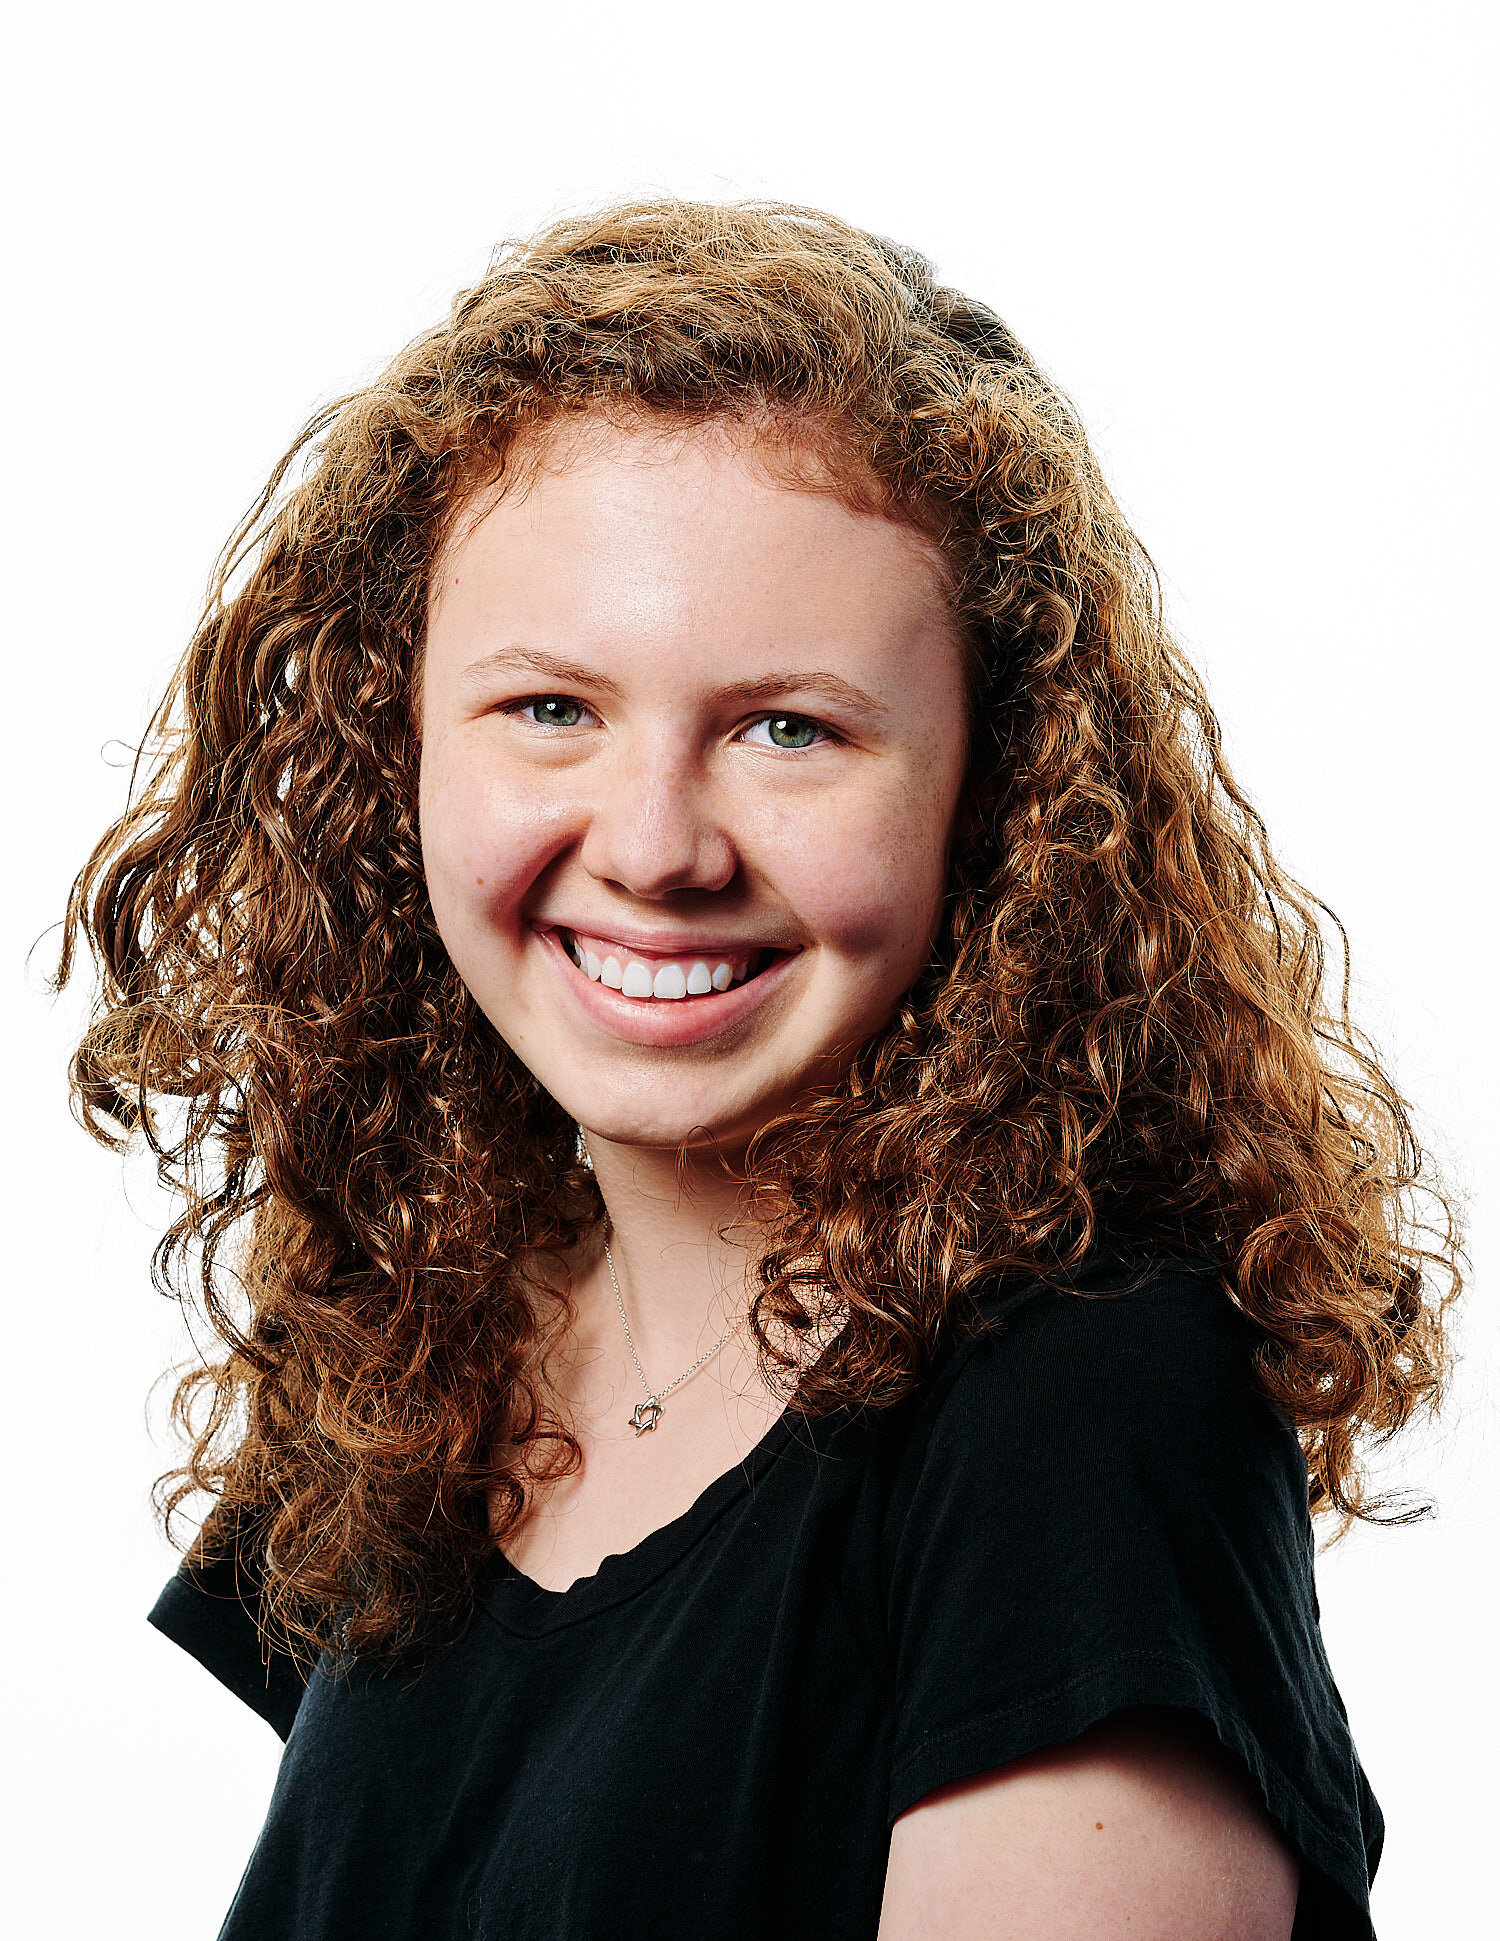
<point x="763" y="687"/>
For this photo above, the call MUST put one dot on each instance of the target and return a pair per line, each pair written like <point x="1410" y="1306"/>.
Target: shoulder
<point x="1096" y="1436"/>
<point x="1136" y="1357"/>
<point x="211" y="1608"/>
<point x="1129" y="1301"/>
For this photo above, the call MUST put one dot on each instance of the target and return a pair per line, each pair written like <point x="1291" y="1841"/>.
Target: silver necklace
<point x="647" y="1414"/>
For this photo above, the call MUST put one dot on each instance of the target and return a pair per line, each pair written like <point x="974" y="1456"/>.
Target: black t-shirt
<point x="1092" y="1506"/>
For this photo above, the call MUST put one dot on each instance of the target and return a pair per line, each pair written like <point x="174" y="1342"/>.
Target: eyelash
<point x="830" y="738"/>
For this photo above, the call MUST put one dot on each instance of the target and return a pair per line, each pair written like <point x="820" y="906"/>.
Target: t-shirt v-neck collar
<point x="521" y="1605"/>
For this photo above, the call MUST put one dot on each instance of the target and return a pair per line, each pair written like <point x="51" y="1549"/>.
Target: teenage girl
<point x="794" y="1239"/>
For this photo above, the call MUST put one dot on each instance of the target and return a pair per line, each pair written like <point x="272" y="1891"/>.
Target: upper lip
<point x="668" y="946"/>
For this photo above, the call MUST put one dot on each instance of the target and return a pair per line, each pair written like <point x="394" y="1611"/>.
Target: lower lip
<point x="665" y="1021"/>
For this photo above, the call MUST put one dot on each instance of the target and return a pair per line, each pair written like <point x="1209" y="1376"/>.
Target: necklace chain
<point x="648" y="1413"/>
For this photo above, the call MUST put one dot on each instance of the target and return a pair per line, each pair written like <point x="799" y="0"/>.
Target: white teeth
<point x="632" y="978"/>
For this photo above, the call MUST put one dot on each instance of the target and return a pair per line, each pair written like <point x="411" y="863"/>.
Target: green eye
<point x="790" y="731"/>
<point x="555" y="710"/>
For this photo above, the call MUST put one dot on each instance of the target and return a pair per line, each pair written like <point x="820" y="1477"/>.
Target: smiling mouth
<point x="664" y="979"/>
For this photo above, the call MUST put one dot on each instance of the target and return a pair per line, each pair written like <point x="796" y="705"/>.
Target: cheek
<point x="867" y="875"/>
<point x="482" y="848"/>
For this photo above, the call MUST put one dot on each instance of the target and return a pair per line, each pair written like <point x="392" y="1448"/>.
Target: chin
<point x="666" y="1131"/>
<point x="665" y="1124"/>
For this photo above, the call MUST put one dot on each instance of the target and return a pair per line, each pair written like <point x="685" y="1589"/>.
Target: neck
<point x="683" y="1251"/>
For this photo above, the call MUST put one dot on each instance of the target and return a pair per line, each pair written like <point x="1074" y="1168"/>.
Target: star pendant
<point x="646" y="1416"/>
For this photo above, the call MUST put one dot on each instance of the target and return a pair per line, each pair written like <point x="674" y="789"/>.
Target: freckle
<point x="1098" y="1826"/>
<point x="480" y="881"/>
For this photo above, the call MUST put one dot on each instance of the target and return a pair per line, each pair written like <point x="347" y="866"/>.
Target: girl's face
<point x="694" y="732"/>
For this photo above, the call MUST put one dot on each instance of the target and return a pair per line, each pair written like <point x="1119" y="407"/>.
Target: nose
<point x="656" y="825"/>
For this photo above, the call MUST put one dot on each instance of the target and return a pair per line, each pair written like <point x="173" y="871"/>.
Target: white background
<point x="1253" y="245"/>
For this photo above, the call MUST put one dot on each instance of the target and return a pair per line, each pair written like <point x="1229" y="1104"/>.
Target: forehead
<point x="718" y="510"/>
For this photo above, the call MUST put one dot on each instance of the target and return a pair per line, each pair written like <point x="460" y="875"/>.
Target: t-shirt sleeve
<point x="1105" y="1510"/>
<point x="210" y="1610"/>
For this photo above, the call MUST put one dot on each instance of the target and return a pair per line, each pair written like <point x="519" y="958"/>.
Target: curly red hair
<point x="1122" y="1031"/>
